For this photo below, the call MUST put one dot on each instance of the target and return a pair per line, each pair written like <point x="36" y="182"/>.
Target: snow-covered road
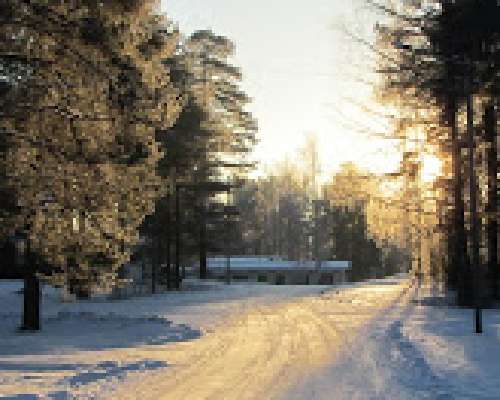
<point x="267" y="352"/>
<point x="365" y="341"/>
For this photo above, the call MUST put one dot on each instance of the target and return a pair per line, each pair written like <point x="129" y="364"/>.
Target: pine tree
<point x="83" y="94"/>
<point x="208" y="143"/>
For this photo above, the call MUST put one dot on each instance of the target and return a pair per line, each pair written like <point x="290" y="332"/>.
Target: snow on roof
<point x="273" y="263"/>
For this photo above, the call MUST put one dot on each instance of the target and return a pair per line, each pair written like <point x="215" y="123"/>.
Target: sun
<point x="431" y="167"/>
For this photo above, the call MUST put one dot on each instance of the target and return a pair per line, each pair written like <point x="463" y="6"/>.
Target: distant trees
<point x="283" y="216"/>
<point x="365" y="225"/>
<point x="82" y="92"/>
<point x="351" y="242"/>
<point x="276" y="215"/>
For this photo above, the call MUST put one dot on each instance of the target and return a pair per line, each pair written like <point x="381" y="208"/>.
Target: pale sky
<point x="300" y="70"/>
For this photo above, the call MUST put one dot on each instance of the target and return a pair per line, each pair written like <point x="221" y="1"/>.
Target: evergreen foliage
<point x="83" y="92"/>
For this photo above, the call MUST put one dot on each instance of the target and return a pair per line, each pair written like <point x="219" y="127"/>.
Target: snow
<point x="91" y="345"/>
<point x="376" y="340"/>
<point x="416" y="349"/>
<point x="466" y="364"/>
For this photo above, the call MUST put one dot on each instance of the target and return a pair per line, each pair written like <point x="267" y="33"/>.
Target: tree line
<point x="294" y="213"/>
<point x="438" y="64"/>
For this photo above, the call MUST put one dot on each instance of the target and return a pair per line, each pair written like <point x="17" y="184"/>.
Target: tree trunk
<point x="155" y="256"/>
<point x="289" y="238"/>
<point x="491" y="207"/>
<point x="78" y="286"/>
<point x="475" y="266"/>
<point x="457" y="275"/>
<point x="31" y="315"/>
<point x="168" y="255"/>
<point x="82" y="291"/>
<point x="203" y="244"/>
<point x="177" y="239"/>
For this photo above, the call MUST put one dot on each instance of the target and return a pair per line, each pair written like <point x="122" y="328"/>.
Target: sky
<point x="302" y="72"/>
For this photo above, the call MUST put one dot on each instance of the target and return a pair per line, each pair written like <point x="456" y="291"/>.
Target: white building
<point x="269" y="269"/>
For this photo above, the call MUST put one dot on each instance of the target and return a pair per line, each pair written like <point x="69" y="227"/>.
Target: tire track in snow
<point x="417" y="373"/>
<point x="380" y="363"/>
<point x="263" y="354"/>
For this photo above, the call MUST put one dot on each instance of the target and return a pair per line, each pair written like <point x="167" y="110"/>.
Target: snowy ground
<point x="418" y="348"/>
<point x="86" y="348"/>
<point x="369" y="341"/>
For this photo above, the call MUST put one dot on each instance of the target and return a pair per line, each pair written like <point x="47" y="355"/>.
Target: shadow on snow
<point x="84" y="374"/>
<point x="88" y="331"/>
